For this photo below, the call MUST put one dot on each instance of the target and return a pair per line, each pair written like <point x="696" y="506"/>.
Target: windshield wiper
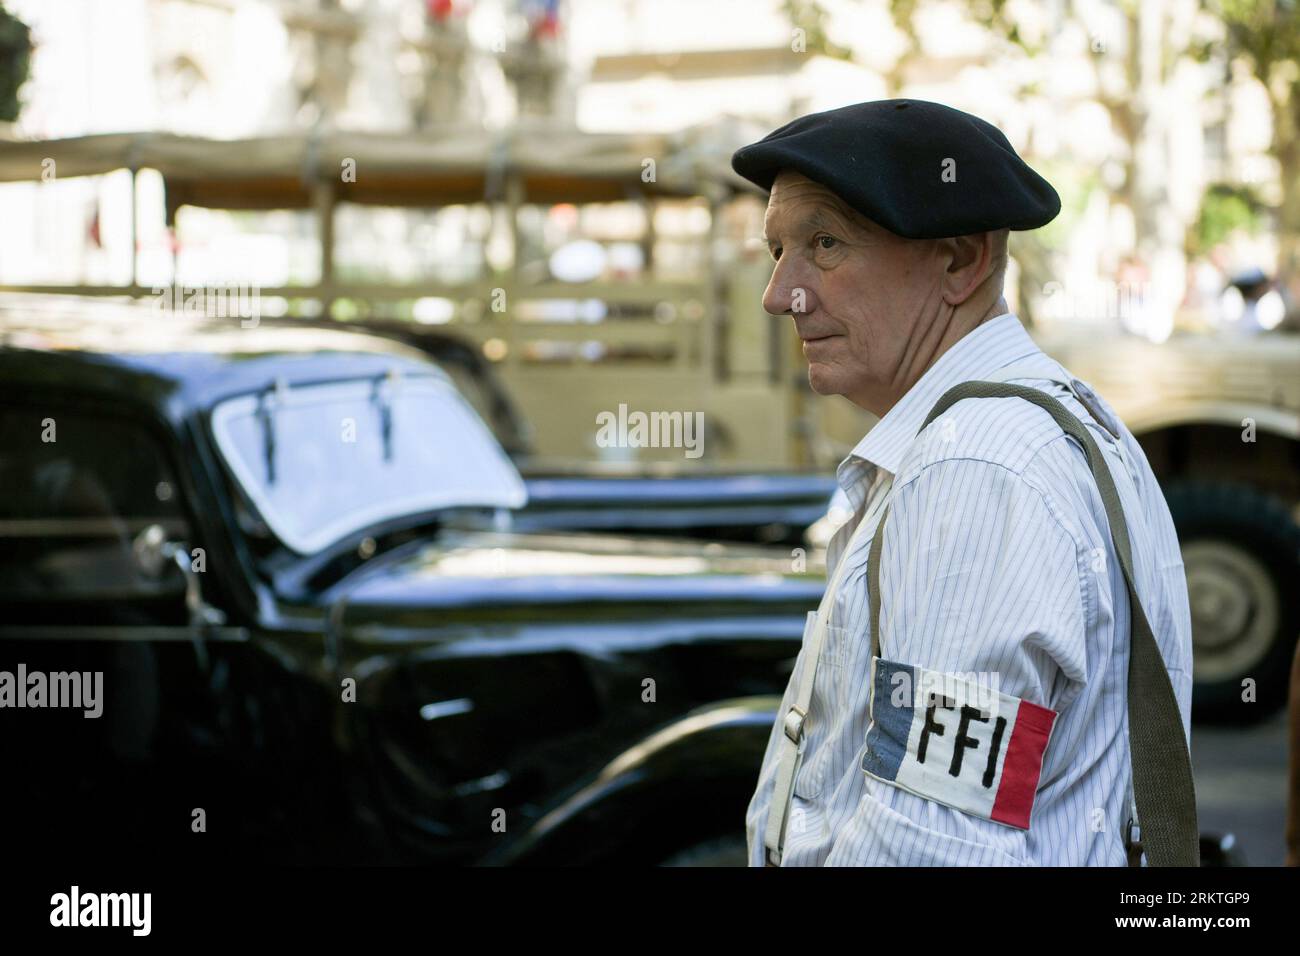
<point x="273" y="396"/>
<point x="384" y="397"/>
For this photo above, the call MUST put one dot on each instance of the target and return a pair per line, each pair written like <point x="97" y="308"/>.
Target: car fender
<point x="1170" y="413"/>
<point x="688" y="781"/>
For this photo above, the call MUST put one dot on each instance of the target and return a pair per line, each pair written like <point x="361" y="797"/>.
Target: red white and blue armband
<point x="956" y="741"/>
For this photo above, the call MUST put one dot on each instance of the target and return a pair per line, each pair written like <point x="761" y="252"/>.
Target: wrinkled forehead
<point x="797" y="201"/>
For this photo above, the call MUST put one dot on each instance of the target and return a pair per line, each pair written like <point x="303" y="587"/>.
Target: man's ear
<point x="970" y="261"/>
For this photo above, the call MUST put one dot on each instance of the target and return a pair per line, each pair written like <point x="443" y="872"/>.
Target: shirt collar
<point x="986" y="348"/>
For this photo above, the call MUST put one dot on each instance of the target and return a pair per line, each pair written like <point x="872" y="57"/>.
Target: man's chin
<point x="823" y="380"/>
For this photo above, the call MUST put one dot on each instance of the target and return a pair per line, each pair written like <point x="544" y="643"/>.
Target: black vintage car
<point x="289" y="553"/>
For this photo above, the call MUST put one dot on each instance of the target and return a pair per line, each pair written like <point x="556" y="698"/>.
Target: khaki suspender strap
<point x="1162" y="772"/>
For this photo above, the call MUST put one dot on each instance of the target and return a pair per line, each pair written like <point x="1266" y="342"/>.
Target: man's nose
<point x="788" y="292"/>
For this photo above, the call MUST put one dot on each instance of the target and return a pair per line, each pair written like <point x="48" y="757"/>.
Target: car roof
<point x="180" y="360"/>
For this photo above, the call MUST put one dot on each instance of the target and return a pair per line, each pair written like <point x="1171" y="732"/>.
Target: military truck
<point x="592" y="270"/>
<point x="1219" y="421"/>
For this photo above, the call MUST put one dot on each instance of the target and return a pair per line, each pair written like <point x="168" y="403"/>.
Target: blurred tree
<point x="1225" y="209"/>
<point x="15" y="62"/>
<point x="993" y="15"/>
<point x="810" y="17"/>
<point x="1123" y="91"/>
<point x="1265" y="35"/>
<point x="1132" y="67"/>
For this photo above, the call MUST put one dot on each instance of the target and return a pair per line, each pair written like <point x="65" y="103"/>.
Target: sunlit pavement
<point x="1241" y="785"/>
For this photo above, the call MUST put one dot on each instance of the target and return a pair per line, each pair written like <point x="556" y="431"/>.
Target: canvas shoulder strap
<point x="1162" y="775"/>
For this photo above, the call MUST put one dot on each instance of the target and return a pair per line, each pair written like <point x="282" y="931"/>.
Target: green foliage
<point x="903" y="13"/>
<point x="1264" y="31"/>
<point x="809" y="16"/>
<point x="15" y="62"/>
<point x="1225" y="208"/>
<point x="992" y="15"/>
<point x="1266" y="35"/>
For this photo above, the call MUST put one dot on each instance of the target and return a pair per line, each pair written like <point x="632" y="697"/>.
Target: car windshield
<point x="324" y="461"/>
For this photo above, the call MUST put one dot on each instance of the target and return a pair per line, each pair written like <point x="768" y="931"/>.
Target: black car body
<point x="424" y="683"/>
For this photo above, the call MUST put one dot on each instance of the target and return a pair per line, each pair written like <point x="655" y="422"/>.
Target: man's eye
<point x="826" y="242"/>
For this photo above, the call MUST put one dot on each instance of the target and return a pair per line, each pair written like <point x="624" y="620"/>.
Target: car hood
<point x="464" y="569"/>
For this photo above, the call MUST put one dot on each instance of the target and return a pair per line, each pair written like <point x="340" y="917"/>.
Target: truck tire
<point x="1241" y="552"/>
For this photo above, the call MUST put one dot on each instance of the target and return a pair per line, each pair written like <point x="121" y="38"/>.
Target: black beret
<point x="888" y="159"/>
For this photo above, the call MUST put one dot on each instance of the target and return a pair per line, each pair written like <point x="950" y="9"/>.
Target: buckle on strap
<point x="793" y="722"/>
<point x="1133" y="843"/>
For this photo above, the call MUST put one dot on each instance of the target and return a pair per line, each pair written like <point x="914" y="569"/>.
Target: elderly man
<point x="963" y="695"/>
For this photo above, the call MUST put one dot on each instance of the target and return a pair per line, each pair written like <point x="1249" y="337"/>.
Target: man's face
<point x="859" y="295"/>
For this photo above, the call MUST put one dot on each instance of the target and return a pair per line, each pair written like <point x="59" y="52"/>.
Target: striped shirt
<point x="997" y="561"/>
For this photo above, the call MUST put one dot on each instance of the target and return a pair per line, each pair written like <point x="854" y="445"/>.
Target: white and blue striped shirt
<point x="997" y="560"/>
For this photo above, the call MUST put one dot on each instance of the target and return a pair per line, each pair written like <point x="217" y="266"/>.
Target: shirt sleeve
<point x="980" y="579"/>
